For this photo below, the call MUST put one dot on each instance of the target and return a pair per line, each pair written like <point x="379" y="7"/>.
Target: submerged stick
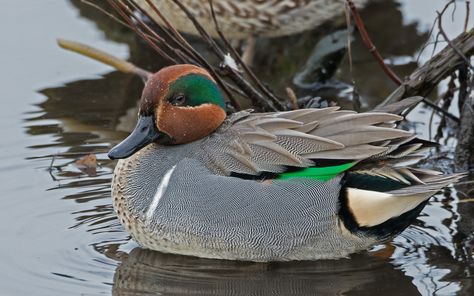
<point x="190" y="53"/>
<point x="103" y="57"/>
<point x="244" y="66"/>
<point x="453" y="46"/>
<point x="368" y="43"/>
<point x="424" y="79"/>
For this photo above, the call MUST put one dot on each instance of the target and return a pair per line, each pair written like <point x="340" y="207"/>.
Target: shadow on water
<point x="147" y="272"/>
<point x="89" y="116"/>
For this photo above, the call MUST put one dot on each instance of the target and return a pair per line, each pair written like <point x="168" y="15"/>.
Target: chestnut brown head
<point x="179" y="104"/>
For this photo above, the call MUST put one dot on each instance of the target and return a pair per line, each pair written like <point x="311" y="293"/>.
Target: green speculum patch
<point x="318" y="173"/>
<point x="198" y="90"/>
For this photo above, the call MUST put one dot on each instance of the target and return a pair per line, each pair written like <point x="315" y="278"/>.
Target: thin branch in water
<point x="104" y="57"/>
<point x="446" y="100"/>
<point x="106" y="13"/>
<point x="160" y="39"/>
<point x="454" y="11"/>
<point x="121" y="9"/>
<point x="50" y="168"/>
<point x="182" y="53"/>
<point x="182" y="43"/>
<point x="468" y="10"/>
<point x="201" y="30"/>
<point x="441" y="110"/>
<point x="170" y="31"/>
<point x="178" y="50"/>
<point x="368" y="42"/>
<point x="422" y="81"/>
<point x="241" y="63"/>
<point x="235" y="76"/>
<point x="292" y="98"/>
<point x="113" y="17"/>
<point x="67" y="154"/>
<point x="428" y="43"/>
<point x="430" y="125"/>
<point x="250" y="92"/>
<point x="347" y="12"/>
<point x="445" y="36"/>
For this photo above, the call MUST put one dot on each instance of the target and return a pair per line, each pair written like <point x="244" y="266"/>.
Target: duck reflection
<point x="149" y="272"/>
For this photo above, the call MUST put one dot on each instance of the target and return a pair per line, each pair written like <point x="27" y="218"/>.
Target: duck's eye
<point x="178" y="100"/>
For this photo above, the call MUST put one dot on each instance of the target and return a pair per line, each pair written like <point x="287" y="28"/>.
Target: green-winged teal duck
<point x="244" y="18"/>
<point x="298" y="185"/>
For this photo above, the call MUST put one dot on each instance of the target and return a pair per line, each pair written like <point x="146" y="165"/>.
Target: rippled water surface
<point x="59" y="235"/>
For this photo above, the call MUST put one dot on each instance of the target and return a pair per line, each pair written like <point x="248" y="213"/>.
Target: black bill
<point x="144" y="133"/>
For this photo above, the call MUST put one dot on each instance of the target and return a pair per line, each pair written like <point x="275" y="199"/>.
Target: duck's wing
<point x="252" y="143"/>
<point x="376" y="195"/>
<point x="382" y="194"/>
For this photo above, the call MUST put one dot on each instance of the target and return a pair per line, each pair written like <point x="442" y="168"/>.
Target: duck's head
<point x="179" y="104"/>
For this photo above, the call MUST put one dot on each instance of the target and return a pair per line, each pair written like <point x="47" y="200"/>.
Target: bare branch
<point x="242" y="64"/>
<point x="422" y="81"/>
<point x="121" y="9"/>
<point x="468" y="10"/>
<point x="368" y="42"/>
<point x="454" y="47"/>
<point x="103" y="57"/>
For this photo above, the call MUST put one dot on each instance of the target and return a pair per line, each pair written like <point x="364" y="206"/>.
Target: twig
<point x="468" y="10"/>
<point x="119" y="64"/>
<point x="234" y="76"/>
<point x="121" y="9"/>
<point x="106" y="13"/>
<point x="50" y="168"/>
<point x="183" y="43"/>
<point x="349" y="43"/>
<point x="65" y="154"/>
<point x="372" y="49"/>
<point x="180" y="51"/>
<point x="422" y="81"/>
<point x="292" y="98"/>
<point x="446" y="100"/>
<point x="241" y="63"/>
<point x="103" y="57"/>
<point x="220" y="54"/>
<point x="441" y="110"/>
<point x="176" y="51"/>
<point x="440" y="28"/>
<point x="125" y="12"/>
<point x="428" y="43"/>
<point x="170" y="31"/>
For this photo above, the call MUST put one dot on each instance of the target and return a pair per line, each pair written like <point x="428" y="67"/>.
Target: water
<point x="59" y="233"/>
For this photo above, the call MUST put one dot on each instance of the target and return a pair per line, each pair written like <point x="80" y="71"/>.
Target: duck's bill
<point x="144" y="133"/>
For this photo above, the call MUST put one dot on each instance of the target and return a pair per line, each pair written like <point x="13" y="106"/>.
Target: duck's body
<point x="297" y="185"/>
<point x="244" y="18"/>
<point x="191" y="206"/>
<point x="213" y="216"/>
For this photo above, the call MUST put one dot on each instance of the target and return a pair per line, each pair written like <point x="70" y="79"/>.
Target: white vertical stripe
<point x="160" y="191"/>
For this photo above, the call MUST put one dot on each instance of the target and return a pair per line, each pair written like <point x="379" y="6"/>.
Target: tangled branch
<point x="174" y="48"/>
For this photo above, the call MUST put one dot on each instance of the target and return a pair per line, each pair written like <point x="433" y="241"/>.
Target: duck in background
<point x="247" y="19"/>
<point x="298" y="185"/>
<point x="244" y="18"/>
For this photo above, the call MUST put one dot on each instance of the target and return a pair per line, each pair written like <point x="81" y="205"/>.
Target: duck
<point x="244" y="18"/>
<point x="304" y="184"/>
